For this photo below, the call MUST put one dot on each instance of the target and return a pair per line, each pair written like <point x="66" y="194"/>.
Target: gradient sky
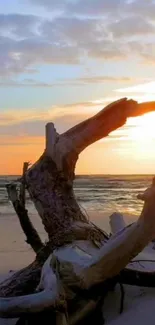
<point x="62" y="61"/>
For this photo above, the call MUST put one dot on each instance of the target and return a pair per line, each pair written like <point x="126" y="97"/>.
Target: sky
<point x="63" y="61"/>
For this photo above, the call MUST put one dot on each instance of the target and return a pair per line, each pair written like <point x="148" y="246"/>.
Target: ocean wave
<point x="95" y="192"/>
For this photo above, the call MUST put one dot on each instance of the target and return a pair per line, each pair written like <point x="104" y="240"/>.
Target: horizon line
<point x="108" y="174"/>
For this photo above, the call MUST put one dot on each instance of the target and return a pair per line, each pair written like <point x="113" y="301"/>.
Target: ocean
<point x="97" y="193"/>
<point x="98" y="196"/>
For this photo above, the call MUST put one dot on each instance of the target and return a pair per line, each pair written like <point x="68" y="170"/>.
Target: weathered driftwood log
<point x="88" y="260"/>
<point x="50" y="180"/>
<point x="26" y="280"/>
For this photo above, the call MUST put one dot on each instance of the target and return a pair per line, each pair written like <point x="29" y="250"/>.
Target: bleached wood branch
<point x="16" y="306"/>
<point x="117" y="222"/>
<point x="49" y="297"/>
<point x="125" y="245"/>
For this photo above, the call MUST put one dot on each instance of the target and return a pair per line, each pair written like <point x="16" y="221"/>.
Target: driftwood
<point x="18" y="202"/>
<point x="79" y="263"/>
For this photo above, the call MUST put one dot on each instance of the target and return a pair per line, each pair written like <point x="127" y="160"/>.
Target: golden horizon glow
<point x="128" y="150"/>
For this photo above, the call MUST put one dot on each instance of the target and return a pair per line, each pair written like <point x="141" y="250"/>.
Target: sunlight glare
<point x="142" y="128"/>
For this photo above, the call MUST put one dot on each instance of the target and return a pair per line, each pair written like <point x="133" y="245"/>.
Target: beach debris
<point x="80" y="263"/>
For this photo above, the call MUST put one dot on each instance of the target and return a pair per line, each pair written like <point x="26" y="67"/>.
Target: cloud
<point x="131" y="26"/>
<point x="143" y="8"/>
<point x="53" y="5"/>
<point x="91" y="8"/>
<point x="56" y="113"/>
<point x="98" y="7"/>
<point x="87" y="7"/>
<point x="148" y="88"/>
<point x="101" y="79"/>
<point x="20" y="129"/>
<point x="98" y="30"/>
<point x="19" y="26"/>
<point x="32" y="83"/>
<point x="144" y="92"/>
<point x="74" y="30"/>
<point x="106" y="50"/>
<point x="91" y="36"/>
<point x="21" y="56"/>
<point x="32" y="122"/>
<point x="148" y="53"/>
<point x="144" y="49"/>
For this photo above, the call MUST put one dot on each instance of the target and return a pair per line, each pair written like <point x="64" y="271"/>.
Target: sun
<point x="136" y="140"/>
<point x="140" y="139"/>
<point x="142" y="128"/>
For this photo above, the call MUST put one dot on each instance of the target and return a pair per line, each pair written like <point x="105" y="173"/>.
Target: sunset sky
<point x="64" y="60"/>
